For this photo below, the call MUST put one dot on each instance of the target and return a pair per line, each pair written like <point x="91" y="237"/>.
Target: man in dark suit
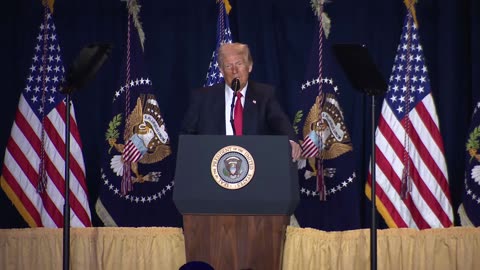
<point x="257" y="111"/>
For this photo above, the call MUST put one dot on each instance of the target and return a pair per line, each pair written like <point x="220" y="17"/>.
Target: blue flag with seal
<point x="330" y="190"/>
<point x="469" y="211"/>
<point x="137" y="166"/>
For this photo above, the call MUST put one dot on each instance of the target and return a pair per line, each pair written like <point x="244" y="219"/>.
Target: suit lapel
<point x="250" y="111"/>
<point x="218" y="109"/>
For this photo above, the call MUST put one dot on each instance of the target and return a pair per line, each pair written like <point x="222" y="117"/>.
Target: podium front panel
<point x="273" y="189"/>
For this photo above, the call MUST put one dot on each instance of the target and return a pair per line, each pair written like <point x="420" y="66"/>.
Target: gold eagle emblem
<point x="145" y="126"/>
<point x="328" y="124"/>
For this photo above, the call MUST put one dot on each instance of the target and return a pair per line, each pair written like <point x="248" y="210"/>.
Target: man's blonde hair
<point x="236" y="48"/>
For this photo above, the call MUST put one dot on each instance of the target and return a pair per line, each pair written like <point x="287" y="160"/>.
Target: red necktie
<point x="238" y="115"/>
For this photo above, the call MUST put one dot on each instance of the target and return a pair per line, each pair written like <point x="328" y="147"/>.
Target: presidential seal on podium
<point x="233" y="167"/>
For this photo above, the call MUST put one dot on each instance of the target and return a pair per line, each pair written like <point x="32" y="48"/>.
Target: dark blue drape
<point x="180" y="37"/>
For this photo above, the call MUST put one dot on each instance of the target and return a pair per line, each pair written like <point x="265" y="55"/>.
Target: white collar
<point x="229" y="90"/>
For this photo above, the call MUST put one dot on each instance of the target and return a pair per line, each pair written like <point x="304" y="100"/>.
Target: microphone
<point x="235" y="87"/>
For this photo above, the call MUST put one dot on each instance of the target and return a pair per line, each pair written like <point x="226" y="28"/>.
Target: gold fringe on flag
<point x="326" y="22"/>
<point x="411" y="7"/>
<point x="49" y="4"/>
<point x="134" y="10"/>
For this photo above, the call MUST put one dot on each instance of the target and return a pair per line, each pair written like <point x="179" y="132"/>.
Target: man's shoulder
<point x="261" y="89"/>
<point x="259" y="85"/>
<point x="209" y="89"/>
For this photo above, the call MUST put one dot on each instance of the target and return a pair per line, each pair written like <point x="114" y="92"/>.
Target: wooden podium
<point x="240" y="228"/>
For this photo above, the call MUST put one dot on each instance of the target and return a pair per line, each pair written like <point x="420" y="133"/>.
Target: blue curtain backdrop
<point x="180" y="36"/>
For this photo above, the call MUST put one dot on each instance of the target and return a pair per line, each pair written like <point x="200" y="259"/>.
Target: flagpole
<point x="66" y="208"/>
<point x="373" y="227"/>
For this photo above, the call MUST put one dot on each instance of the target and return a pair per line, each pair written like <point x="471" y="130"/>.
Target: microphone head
<point x="235" y="84"/>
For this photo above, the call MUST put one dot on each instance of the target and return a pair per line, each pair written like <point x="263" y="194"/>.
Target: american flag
<point x="411" y="172"/>
<point x="224" y="35"/>
<point x="33" y="170"/>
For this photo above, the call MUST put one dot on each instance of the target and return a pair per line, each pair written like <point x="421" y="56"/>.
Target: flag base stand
<point x="82" y="70"/>
<point x="365" y="77"/>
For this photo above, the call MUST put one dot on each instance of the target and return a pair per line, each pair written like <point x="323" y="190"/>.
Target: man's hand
<point x="296" y="151"/>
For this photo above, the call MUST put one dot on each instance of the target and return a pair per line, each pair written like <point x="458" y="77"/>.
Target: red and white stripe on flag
<point x="309" y="149"/>
<point x="20" y="172"/>
<point x="131" y="153"/>
<point x="21" y="169"/>
<point x="408" y="142"/>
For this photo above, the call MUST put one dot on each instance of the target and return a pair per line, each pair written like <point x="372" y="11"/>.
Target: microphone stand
<point x="365" y="77"/>
<point x="231" y="112"/>
<point x="373" y="227"/>
<point x="82" y="70"/>
<point x="235" y="87"/>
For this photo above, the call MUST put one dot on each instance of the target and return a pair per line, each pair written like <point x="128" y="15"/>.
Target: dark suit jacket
<point x="262" y="114"/>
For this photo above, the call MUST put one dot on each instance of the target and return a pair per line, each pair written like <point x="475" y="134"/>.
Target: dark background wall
<point x="180" y="37"/>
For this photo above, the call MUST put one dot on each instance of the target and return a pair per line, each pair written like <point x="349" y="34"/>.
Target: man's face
<point x="235" y="66"/>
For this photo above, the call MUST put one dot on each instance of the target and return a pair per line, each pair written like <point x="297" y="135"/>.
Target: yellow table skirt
<point x="164" y="249"/>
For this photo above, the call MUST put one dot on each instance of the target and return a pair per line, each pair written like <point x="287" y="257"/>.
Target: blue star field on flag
<point x="54" y="74"/>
